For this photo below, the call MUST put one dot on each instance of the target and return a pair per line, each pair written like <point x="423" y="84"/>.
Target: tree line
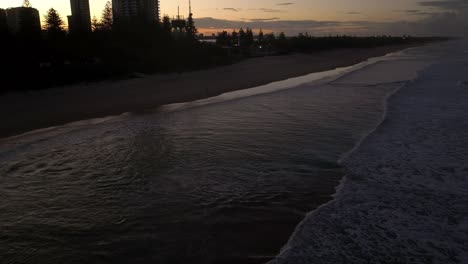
<point x="246" y="42"/>
<point x="111" y="50"/>
<point x="119" y="49"/>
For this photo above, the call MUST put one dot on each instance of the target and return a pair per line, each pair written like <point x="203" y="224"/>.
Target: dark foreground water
<point x="225" y="182"/>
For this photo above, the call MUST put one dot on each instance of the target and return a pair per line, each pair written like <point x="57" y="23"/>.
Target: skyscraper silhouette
<point x="80" y="20"/>
<point x="146" y="10"/>
<point x="3" y="20"/>
<point x="24" y="20"/>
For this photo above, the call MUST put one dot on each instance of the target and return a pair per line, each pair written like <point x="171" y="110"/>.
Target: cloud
<point x="447" y="4"/>
<point x="264" y="19"/>
<point x="231" y="9"/>
<point x="291" y="27"/>
<point x="435" y="18"/>
<point x="439" y="24"/>
<point x="411" y="11"/>
<point x="451" y="17"/>
<point x="269" y="10"/>
<point x="415" y="12"/>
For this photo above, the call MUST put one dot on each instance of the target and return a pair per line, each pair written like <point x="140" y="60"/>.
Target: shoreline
<point x="283" y="256"/>
<point x="336" y="111"/>
<point x="28" y="111"/>
<point x="394" y="200"/>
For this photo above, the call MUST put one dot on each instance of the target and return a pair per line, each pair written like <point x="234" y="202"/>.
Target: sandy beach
<point x="224" y="179"/>
<point x="23" y="112"/>
<point x="388" y="134"/>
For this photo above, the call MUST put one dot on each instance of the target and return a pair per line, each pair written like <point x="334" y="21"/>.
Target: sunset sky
<point x="314" y="16"/>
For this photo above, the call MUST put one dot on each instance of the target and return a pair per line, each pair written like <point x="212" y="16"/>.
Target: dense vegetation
<point x="245" y="41"/>
<point x="36" y="60"/>
<point x="111" y="50"/>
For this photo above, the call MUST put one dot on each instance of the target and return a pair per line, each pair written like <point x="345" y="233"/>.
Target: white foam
<point x="312" y="79"/>
<point x="404" y="197"/>
<point x="317" y="78"/>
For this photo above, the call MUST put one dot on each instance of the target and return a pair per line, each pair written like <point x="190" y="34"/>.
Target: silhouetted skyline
<point x="361" y="17"/>
<point x="80" y="20"/>
<point x="147" y="10"/>
<point x="22" y="19"/>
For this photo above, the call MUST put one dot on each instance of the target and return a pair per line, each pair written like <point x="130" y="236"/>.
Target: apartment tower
<point x="80" y="20"/>
<point x="145" y="10"/>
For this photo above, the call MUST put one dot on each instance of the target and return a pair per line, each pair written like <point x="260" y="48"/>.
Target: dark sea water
<point x="224" y="182"/>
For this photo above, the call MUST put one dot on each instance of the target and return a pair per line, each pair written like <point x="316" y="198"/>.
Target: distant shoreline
<point x="27" y="111"/>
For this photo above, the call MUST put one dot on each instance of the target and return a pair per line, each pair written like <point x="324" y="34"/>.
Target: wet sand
<point x="23" y="112"/>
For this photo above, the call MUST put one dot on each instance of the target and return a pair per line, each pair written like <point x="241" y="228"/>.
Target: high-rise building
<point x="3" y="20"/>
<point x="23" y="20"/>
<point x="80" y="20"/>
<point x="146" y="10"/>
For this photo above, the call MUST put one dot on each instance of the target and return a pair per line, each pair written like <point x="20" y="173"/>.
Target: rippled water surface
<point x="224" y="182"/>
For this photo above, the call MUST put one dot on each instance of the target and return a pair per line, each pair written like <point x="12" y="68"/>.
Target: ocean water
<point x="223" y="180"/>
<point x="404" y="198"/>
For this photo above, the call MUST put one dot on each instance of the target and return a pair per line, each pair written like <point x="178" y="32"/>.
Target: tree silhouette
<point x="235" y="38"/>
<point x="270" y="38"/>
<point x="242" y="37"/>
<point x="56" y="37"/>
<point x="249" y="37"/>
<point x="107" y="20"/>
<point x="190" y="29"/>
<point x="282" y="36"/>
<point x="282" y="43"/>
<point x="167" y="25"/>
<point x="95" y="24"/>
<point x="54" y="24"/>
<point x="261" y="38"/>
<point x="223" y="39"/>
<point x="26" y="3"/>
